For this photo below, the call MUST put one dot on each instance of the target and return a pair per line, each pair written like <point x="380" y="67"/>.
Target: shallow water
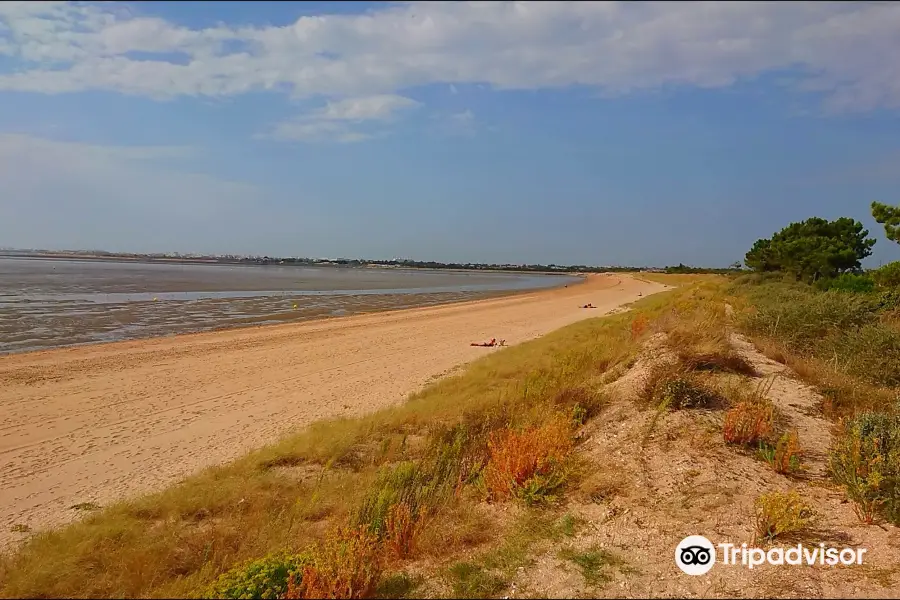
<point x="46" y="303"/>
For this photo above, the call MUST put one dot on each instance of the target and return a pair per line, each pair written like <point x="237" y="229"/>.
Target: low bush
<point x="887" y="275"/>
<point x="347" y="565"/>
<point x="676" y="388"/>
<point x="397" y="505"/>
<point x="530" y="464"/>
<point x="848" y="282"/>
<point x="748" y="422"/>
<point x="865" y="459"/>
<point x="779" y="514"/>
<point x="265" y="578"/>
<point x="685" y="392"/>
<point x="784" y="456"/>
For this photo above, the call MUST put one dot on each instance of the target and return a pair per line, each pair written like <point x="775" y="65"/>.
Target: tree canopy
<point x="889" y="216"/>
<point x="813" y="249"/>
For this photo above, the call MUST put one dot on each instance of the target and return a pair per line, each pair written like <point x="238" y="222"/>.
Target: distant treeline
<point x="355" y="262"/>
<point x="734" y="268"/>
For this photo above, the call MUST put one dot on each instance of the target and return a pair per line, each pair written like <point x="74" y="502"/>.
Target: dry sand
<point x="105" y="422"/>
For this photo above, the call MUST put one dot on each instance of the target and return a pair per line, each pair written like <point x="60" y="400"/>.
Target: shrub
<point x="748" y="422"/>
<point x="529" y="464"/>
<point x="684" y="392"/>
<point x="347" y="565"/>
<point x="638" y="326"/>
<point x="265" y="578"/>
<point x="848" y="282"/>
<point x="784" y="456"/>
<point x="675" y="388"/>
<point x="887" y="275"/>
<point x="402" y="526"/>
<point x="402" y="499"/>
<point x="779" y="514"/>
<point x="865" y="459"/>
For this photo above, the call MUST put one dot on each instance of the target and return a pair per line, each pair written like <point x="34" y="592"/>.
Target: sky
<point x="543" y="132"/>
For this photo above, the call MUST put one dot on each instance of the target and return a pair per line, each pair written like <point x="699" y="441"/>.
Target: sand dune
<point x="100" y="423"/>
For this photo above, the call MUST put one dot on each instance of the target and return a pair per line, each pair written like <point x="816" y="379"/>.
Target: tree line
<point x="818" y="250"/>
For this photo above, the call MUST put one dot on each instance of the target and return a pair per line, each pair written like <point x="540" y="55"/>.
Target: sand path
<point x="100" y="423"/>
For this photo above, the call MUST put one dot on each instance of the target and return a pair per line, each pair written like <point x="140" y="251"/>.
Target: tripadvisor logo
<point x="696" y="555"/>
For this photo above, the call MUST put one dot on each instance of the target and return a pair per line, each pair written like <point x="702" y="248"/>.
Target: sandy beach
<point x="104" y="422"/>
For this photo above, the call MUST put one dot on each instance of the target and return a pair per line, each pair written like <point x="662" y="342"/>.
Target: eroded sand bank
<point x="100" y="423"/>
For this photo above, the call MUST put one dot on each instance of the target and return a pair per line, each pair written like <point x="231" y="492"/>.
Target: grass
<point x="592" y="563"/>
<point x="491" y="572"/>
<point x="393" y="473"/>
<point x="846" y="344"/>
<point x="398" y="585"/>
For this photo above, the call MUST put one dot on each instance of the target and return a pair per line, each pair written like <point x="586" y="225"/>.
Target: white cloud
<point x="843" y="50"/>
<point x="372" y="107"/>
<point x="464" y="117"/>
<point x="339" y="120"/>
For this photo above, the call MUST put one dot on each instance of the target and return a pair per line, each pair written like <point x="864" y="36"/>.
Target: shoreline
<point x="236" y="263"/>
<point x="110" y="421"/>
<point x="264" y="323"/>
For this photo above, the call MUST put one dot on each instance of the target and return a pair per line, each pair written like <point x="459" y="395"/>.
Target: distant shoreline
<point x="247" y="263"/>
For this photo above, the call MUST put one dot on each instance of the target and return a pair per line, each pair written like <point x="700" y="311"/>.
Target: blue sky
<point x="599" y="133"/>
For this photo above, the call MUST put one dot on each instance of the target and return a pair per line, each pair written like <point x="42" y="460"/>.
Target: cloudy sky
<point x="568" y="132"/>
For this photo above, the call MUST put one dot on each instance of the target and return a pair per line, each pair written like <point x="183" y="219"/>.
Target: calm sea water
<point x="47" y="303"/>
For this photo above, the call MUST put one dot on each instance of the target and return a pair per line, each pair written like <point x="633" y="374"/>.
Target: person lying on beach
<point x="588" y="305"/>
<point x="489" y="344"/>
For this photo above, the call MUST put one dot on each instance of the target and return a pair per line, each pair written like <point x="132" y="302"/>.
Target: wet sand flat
<point x="104" y="422"/>
<point x="51" y="303"/>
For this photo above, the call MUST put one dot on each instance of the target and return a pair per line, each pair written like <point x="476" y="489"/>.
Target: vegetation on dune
<point x="298" y="518"/>
<point x="343" y="507"/>
<point x="866" y="460"/>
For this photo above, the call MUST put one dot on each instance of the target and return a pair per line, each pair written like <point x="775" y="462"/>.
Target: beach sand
<point x="106" y="422"/>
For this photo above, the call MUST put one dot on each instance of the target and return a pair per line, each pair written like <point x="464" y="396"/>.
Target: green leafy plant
<point x="784" y="455"/>
<point x="779" y="514"/>
<point x="265" y="578"/>
<point x="865" y="459"/>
